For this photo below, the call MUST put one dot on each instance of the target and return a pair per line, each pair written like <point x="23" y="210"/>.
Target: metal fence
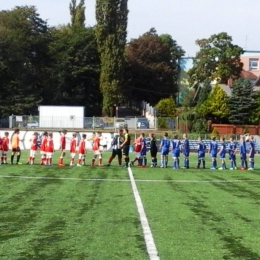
<point x="94" y="123"/>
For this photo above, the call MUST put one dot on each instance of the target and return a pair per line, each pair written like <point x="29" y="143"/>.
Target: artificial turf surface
<point x="193" y="214"/>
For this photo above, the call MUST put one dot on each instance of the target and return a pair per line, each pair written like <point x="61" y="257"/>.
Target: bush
<point x="199" y="126"/>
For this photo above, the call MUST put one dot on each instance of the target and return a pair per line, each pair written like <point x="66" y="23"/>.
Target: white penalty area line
<point x="122" y="180"/>
<point x="148" y="237"/>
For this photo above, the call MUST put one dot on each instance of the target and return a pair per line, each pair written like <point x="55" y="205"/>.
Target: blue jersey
<point x="165" y="144"/>
<point x="201" y="148"/>
<point x="231" y="147"/>
<point x="143" y="145"/>
<point x="213" y="147"/>
<point x="186" y="146"/>
<point x="252" y="147"/>
<point x="176" y="145"/>
<point x="242" y="147"/>
<point x="222" y="151"/>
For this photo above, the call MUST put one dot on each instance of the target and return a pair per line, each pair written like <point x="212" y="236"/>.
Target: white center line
<point x="148" y="237"/>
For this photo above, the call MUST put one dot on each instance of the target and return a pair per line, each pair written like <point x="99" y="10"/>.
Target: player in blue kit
<point x="251" y="153"/>
<point x="176" y="148"/>
<point x="165" y="147"/>
<point x="242" y="150"/>
<point x="186" y="151"/>
<point x="231" y="148"/>
<point x="222" y="153"/>
<point x="201" y="153"/>
<point x="143" y="159"/>
<point x="213" y="150"/>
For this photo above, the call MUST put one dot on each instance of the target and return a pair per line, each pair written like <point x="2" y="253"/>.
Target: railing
<point x="71" y="122"/>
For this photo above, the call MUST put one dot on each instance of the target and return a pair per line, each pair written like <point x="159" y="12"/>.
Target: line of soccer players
<point x="216" y="149"/>
<point x="121" y="145"/>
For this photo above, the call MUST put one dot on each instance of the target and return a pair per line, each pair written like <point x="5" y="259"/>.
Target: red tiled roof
<point x="248" y="75"/>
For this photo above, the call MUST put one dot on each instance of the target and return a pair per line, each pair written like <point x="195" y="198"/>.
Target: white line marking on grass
<point x="148" y="237"/>
<point x="123" y="180"/>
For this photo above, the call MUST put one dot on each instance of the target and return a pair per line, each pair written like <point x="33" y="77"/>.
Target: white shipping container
<point x="61" y="116"/>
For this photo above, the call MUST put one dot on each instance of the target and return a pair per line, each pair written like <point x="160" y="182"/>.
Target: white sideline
<point x="123" y="180"/>
<point x="148" y="237"/>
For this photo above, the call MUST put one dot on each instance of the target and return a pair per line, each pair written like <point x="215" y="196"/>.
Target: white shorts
<point x="49" y="155"/>
<point x="97" y="152"/>
<point x="32" y="153"/>
<point x="72" y="155"/>
<point x="4" y="153"/>
<point x="137" y="155"/>
<point x="81" y="156"/>
<point x="101" y="148"/>
<point x="43" y="153"/>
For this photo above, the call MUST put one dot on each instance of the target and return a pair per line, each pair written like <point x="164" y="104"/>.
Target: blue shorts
<point x="222" y="156"/>
<point x="176" y="154"/>
<point x="143" y="153"/>
<point x="201" y="155"/>
<point x="164" y="152"/>
<point x="243" y="156"/>
<point x="186" y="154"/>
<point x="213" y="155"/>
<point x="252" y="156"/>
<point x="232" y="157"/>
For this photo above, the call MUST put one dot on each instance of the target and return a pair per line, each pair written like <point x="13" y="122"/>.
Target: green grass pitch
<point x="90" y="213"/>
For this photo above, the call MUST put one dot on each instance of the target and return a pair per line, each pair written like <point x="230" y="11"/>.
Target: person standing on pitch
<point x="143" y="159"/>
<point x="164" y="147"/>
<point x="137" y="148"/>
<point x="232" y="147"/>
<point x="62" y="147"/>
<point x="15" y="147"/>
<point x="242" y="149"/>
<point x="201" y="153"/>
<point x="222" y="153"/>
<point x="251" y="153"/>
<point x="213" y="151"/>
<point x="153" y="150"/>
<point x="5" y="145"/>
<point x="116" y="147"/>
<point x="176" y="145"/>
<point x="186" y="151"/>
<point x="126" y="146"/>
<point x="33" y="144"/>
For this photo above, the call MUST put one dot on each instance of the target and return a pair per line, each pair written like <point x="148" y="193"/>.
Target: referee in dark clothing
<point x="153" y="150"/>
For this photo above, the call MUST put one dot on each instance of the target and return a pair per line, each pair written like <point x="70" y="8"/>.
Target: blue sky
<point x="185" y="20"/>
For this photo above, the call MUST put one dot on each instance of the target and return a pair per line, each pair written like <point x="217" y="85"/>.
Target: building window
<point x="253" y="64"/>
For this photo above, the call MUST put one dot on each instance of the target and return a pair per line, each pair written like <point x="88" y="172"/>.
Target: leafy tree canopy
<point x="218" y="58"/>
<point x="166" y="107"/>
<point x="243" y="102"/>
<point x="216" y="105"/>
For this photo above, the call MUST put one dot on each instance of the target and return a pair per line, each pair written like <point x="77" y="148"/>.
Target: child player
<point x="62" y="147"/>
<point x="33" y="148"/>
<point x="242" y="149"/>
<point x="73" y="145"/>
<point x="201" y="153"/>
<point x="5" y="148"/>
<point x="251" y="153"/>
<point x="49" y="149"/>
<point x="213" y="150"/>
<point x="176" y="145"/>
<point x="143" y="159"/>
<point x="96" y="150"/>
<point x="222" y="153"/>
<point x="43" y="148"/>
<point x="186" y="151"/>
<point x="232" y="147"/>
<point x="165" y="147"/>
<point x="138" y="147"/>
<point x="153" y="150"/>
<point x="82" y="151"/>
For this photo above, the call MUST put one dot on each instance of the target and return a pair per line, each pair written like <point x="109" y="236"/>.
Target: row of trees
<point x="77" y="65"/>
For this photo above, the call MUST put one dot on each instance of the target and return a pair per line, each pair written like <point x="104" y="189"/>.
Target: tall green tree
<point x="75" y="70"/>
<point x="242" y="102"/>
<point x="166" y="107"/>
<point x="151" y="72"/>
<point x="77" y="13"/>
<point x="24" y="60"/>
<point x="111" y="32"/>
<point x="215" y="106"/>
<point x="218" y="58"/>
